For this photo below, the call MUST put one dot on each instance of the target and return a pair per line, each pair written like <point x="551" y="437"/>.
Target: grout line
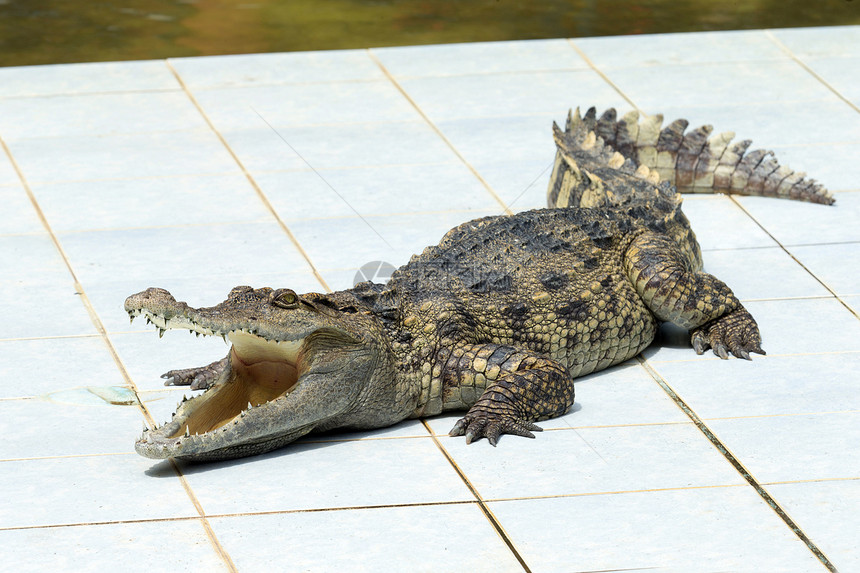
<point x="100" y="327"/>
<point x="816" y="480"/>
<point x="241" y="514"/>
<point x="413" y="504"/>
<point x="265" y="200"/>
<point x="55" y="337"/>
<point x="801" y="63"/>
<point x="94" y="317"/>
<point x="736" y="463"/>
<point x="604" y="76"/>
<point x="204" y="519"/>
<point x="488" y="513"/>
<point x="847" y="306"/>
<point x="506" y="209"/>
<point x="620" y="492"/>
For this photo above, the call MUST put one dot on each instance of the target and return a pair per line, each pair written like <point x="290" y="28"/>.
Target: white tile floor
<point x="295" y="169"/>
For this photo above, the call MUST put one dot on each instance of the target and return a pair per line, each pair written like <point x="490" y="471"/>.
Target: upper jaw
<point x="160" y="309"/>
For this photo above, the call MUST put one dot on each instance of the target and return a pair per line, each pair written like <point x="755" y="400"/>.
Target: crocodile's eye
<point x="285" y="298"/>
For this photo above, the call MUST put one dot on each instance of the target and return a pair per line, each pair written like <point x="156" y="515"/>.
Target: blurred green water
<point x="61" y="31"/>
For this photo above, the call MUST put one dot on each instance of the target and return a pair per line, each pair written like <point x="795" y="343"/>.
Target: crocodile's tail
<point x="692" y="162"/>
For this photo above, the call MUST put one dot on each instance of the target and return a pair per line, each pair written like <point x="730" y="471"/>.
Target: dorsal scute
<point x="694" y="161"/>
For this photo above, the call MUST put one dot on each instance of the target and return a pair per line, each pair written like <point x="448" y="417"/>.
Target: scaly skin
<point x="498" y="319"/>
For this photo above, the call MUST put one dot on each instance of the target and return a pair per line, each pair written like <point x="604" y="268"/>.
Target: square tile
<point x="827" y="511"/>
<point x="63" y="363"/>
<point x="159" y="254"/>
<point x="19" y="216"/>
<point x="623" y="395"/>
<point x="793" y="448"/>
<point x="29" y="259"/>
<point x="776" y="274"/>
<point x="720" y="224"/>
<point x="483" y="140"/>
<point x="771" y="386"/>
<point x="150" y="202"/>
<point x="545" y="94"/>
<point x="520" y="184"/>
<point x="8" y="176"/>
<point x="36" y="308"/>
<point x="269" y="69"/>
<point x="325" y="104"/>
<point x="719" y="84"/>
<point x="392" y="239"/>
<point x="820" y="41"/>
<point x="391" y="190"/>
<point x="479" y="58"/>
<point x="88" y="489"/>
<point x="122" y="156"/>
<point x="721" y="529"/>
<point x="384" y="539"/>
<point x="692" y="48"/>
<point x="138" y="546"/>
<point x="98" y="77"/>
<point x="796" y="223"/>
<point x="832" y="70"/>
<point x="356" y="145"/>
<point x="835" y="265"/>
<point x="607" y="460"/>
<point x="68" y="423"/>
<point x="329" y="475"/>
<point x="97" y="114"/>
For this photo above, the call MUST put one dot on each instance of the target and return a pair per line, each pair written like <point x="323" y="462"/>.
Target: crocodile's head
<point x="297" y="363"/>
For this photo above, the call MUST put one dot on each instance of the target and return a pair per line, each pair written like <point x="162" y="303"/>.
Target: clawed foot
<point x="199" y="378"/>
<point x="736" y="332"/>
<point x="482" y="425"/>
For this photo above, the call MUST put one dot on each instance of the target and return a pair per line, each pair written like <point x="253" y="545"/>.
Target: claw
<point x="720" y="350"/>
<point x="457" y="430"/>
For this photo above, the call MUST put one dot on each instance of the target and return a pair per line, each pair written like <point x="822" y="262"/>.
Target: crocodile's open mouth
<point x="259" y="372"/>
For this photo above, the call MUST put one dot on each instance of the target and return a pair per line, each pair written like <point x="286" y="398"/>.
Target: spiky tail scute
<point x="693" y="162"/>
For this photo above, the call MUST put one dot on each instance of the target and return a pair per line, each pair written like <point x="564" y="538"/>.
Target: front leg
<point x="199" y="378"/>
<point x="675" y="292"/>
<point x="522" y="387"/>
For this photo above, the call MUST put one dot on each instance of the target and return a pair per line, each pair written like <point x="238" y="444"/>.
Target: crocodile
<point x="498" y="319"/>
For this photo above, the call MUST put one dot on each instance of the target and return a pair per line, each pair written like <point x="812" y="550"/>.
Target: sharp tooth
<point x="187" y="432"/>
<point x="160" y="332"/>
<point x="250" y="405"/>
<point x="148" y="321"/>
